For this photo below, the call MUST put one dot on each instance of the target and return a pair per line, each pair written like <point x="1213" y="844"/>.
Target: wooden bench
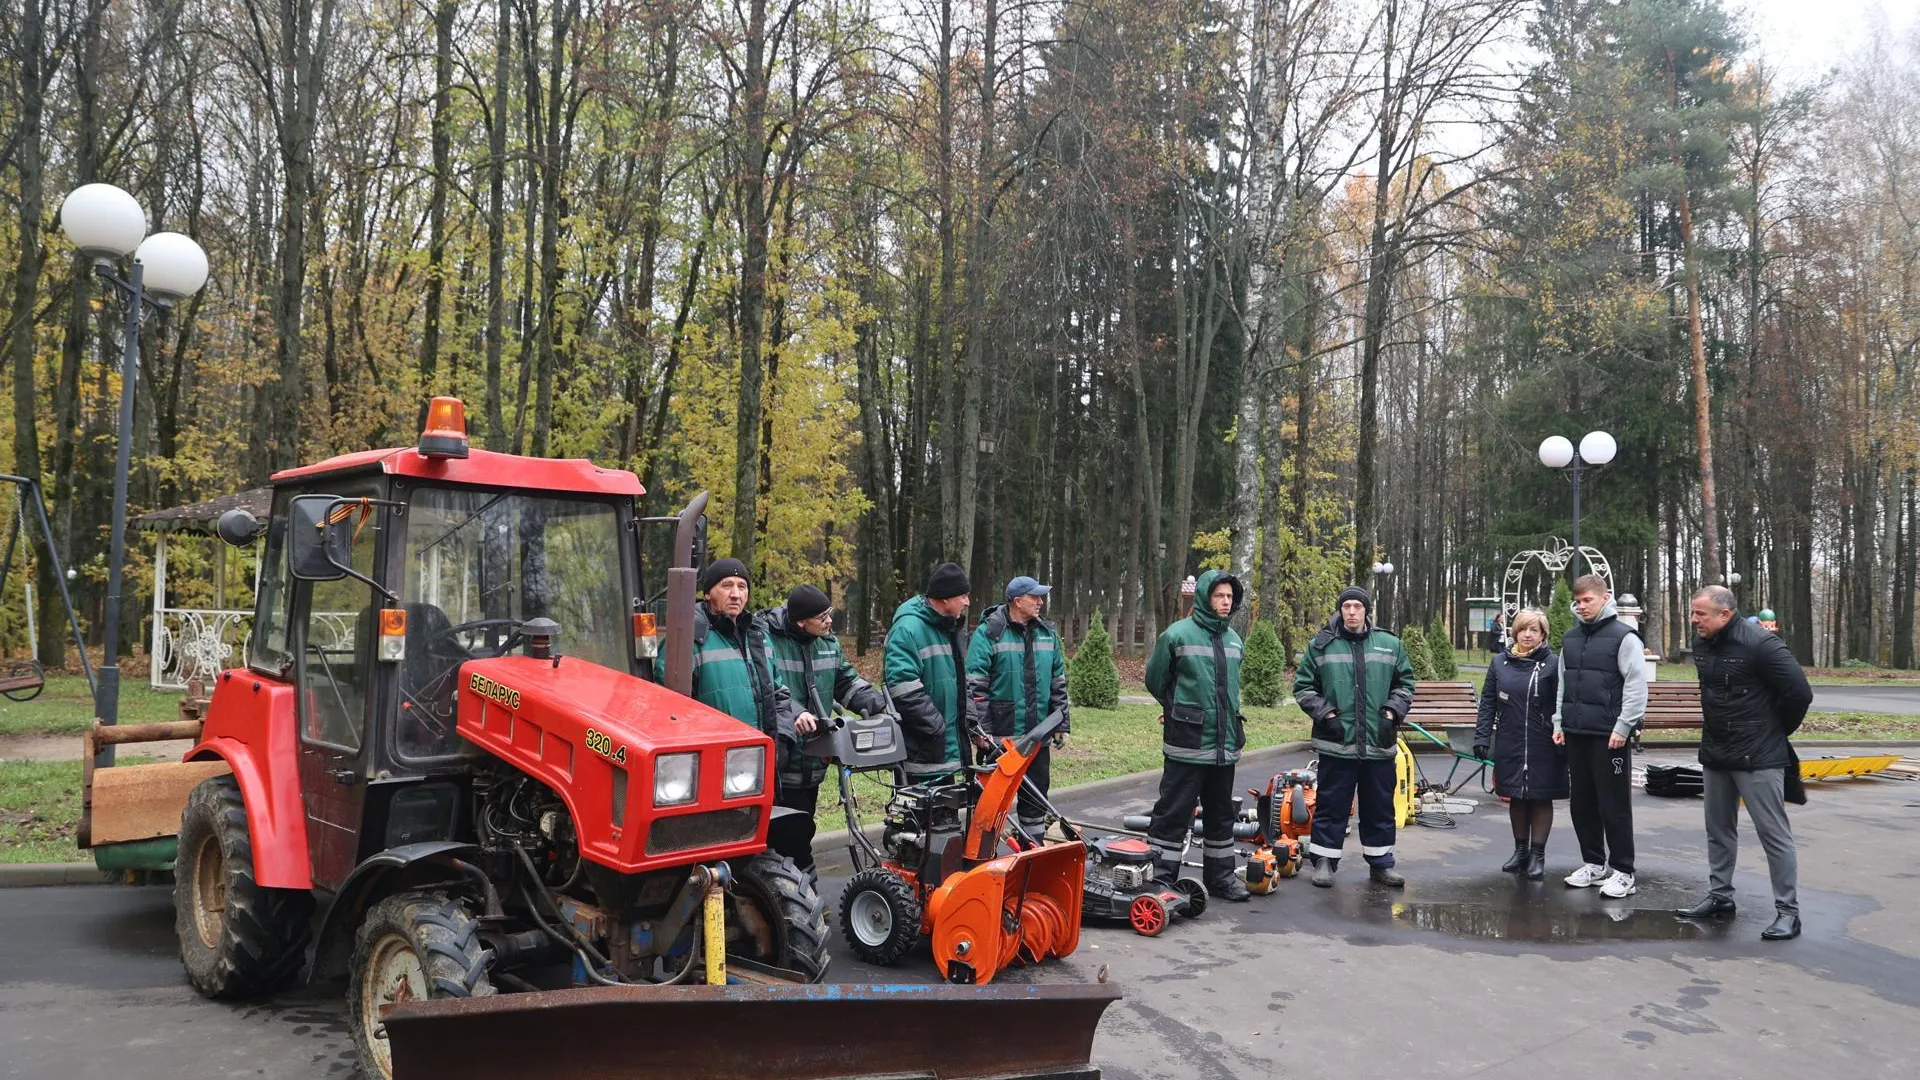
<point x="1672" y="705"/>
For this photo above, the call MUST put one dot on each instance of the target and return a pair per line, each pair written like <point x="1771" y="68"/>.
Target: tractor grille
<point x="685" y="832"/>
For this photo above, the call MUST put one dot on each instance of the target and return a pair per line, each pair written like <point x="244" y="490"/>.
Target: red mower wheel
<point x="1148" y="915"/>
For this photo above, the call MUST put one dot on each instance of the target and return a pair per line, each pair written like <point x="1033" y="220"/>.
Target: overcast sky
<point x="1807" y="37"/>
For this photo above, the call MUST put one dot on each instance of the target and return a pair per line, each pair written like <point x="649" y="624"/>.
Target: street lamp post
<point x="1380" y="572"/>
<point x="1556" y="452"/>
<point x="107" y="225"/>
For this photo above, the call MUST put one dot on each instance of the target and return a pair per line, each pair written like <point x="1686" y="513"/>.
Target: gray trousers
<point x="1763" y="791"/>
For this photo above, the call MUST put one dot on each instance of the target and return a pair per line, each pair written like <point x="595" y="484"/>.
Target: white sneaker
<point x="1618" y="885"/>
<point x="1588" y="874"/>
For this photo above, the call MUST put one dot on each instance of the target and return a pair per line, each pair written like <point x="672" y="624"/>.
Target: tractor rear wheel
<point x="237" y="938"/>
<point x="412" y="946"/>
<point x="775" y="917"/>
<point x="879" y="916"/>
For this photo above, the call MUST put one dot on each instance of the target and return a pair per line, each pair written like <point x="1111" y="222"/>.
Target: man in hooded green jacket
<point x="1355" y="684"/>
<point x="1194" y="673"/>
<point x="926" y="674"/>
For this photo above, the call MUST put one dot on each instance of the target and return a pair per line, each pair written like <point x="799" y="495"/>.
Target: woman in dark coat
<point x="1516" y="705"/>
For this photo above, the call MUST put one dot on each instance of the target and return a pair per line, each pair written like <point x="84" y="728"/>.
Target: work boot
<point x="1522" y="851"/>
<point x="1385" y="875"/>
<point x="1221" y="882"/>
<point x="1537" y="862"/>
<point x="1323" y="869"/>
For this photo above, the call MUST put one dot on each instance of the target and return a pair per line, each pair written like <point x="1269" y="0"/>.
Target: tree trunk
<point x="750" y="155"/>
<point x="437" y="201"/>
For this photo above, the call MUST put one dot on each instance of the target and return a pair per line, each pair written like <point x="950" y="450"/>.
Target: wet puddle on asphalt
<point x="1525" y="912"/>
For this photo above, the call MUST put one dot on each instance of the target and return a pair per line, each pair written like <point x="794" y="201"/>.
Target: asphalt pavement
<point x="1903" y="699"/>
<point x="1467" y="972"/>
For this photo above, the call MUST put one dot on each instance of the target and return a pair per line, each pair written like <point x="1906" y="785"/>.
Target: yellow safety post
<point x="716" y="935"/>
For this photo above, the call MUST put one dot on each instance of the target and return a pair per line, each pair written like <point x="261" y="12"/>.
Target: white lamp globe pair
<point x="108" y="224"/>
<point x="1597" y="448"/>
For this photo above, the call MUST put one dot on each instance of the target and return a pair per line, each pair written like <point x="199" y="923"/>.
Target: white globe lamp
<point x="1556" y="452"/>
<point x="172" y="266"/>
<point x="1597" y="448"/>
<point x="103" y="221"/>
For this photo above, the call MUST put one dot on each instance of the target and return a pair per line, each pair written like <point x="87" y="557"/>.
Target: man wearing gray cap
<point x="1017" y="677"/>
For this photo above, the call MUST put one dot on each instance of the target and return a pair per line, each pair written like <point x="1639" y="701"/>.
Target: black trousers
<point x="792" y="835"/>
<point x="1340" y="780"/>
<point x="1033" y="813"/>
<point x="1602" y="800"/>
<point x="1182" y="784"/>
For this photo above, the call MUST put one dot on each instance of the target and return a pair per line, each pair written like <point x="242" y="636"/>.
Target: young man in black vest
<point x="1603" y="696"/>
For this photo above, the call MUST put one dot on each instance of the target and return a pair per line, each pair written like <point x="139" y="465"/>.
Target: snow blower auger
<point x="938" y="870"/>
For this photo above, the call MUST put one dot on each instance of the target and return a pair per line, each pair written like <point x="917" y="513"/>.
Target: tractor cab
<point x="384" y="573"/>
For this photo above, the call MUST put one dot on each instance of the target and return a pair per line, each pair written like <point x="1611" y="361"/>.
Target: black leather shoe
<point x="1537" y="863"/>
<point x="1782" y="928"/>
<point x="1713" y="907"/>
<point x="1385" y="875"/>
<point x="1519" y="860"/>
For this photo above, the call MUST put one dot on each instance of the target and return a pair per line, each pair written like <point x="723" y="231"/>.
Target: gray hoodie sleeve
<point x="1633" y="691"/>
<point x="1560" y="697"/>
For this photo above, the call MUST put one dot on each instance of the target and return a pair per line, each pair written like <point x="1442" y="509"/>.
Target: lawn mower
<point x="939" y="871"/>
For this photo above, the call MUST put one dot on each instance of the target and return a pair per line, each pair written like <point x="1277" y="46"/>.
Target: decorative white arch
<point x="1554" y="560"/>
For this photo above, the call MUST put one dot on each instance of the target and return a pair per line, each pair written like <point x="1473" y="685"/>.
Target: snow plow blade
<point x="820" y="1032"/>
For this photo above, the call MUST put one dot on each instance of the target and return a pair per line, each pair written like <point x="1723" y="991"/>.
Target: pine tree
<point x="1440" y="643"/>
<point x="1263" y="675"/>
<point x="1418" y="655"/>
<point x="1559" y="613"/>
<point x="1092" y="680"/>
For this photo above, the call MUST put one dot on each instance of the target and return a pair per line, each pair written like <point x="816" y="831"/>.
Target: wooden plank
<point x="140" y="802"/>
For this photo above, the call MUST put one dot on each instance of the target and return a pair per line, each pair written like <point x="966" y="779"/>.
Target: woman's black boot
<point x="1537" y="863"/>
<point x="1521" y="852"/>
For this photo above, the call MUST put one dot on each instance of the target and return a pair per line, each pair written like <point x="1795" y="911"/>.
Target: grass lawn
<point x="39" y="809"/>
<point x="65" y="707"/>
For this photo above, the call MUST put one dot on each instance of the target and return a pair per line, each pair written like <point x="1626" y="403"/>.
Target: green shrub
<point x="1440" y="643"/>
<point x="1092" y="680"/>
<point x="1559" y="613"/>
<point x="1263" y="675"/>
<point x="1418" y="655"/>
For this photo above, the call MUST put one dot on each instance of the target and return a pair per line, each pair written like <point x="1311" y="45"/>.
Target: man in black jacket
<point x="1602" y="699"/>
<point x="1752" y="696"/>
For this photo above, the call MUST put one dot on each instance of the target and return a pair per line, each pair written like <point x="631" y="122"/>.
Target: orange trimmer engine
<point x="1284" y="812"/>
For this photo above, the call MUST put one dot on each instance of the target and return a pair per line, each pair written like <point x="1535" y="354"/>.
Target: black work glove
<point x="1480" y="750"/>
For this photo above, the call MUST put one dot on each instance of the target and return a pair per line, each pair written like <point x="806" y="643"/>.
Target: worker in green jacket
<point x="1194" y="673"/>
<point x="1017" y="677"/>
<point x="809" y="664"/>
<point x="1355" y="684"/>
<point x="925" y="675"/>
<point x="733" y="672"/>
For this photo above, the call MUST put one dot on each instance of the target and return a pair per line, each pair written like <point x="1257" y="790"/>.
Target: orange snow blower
<point x="939" y="872"/>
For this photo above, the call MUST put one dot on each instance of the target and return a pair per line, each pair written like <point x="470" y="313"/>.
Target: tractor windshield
<point x="479" y="563"/>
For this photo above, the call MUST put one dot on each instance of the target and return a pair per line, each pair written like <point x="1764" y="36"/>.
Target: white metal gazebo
<point x="197" y="642"/>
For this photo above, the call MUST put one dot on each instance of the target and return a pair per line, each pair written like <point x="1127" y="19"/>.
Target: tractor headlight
<point x="675" y="779"/>
<point x="746" y="771"/>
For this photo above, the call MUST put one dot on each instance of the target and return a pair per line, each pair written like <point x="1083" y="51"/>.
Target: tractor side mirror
<point x="316" y="550"/>
<point x="237" y="527"/>
<point x="700" y="544"/>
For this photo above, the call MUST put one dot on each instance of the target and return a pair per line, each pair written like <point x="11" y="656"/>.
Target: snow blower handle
<point x="1031" y="741"/>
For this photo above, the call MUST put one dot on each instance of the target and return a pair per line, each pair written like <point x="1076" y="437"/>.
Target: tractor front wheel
<point x="879" y="916"/>
<point x="412" y="946"/>
<point x="237" y="938"/>
<point x="775" y="917"/>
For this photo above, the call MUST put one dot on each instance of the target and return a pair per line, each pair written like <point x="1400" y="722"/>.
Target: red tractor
<point x="441" y="769"/>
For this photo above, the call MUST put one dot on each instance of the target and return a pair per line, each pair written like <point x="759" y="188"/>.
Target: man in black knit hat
<point x="808" y="662"/>
<point x="926" y="674"/>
